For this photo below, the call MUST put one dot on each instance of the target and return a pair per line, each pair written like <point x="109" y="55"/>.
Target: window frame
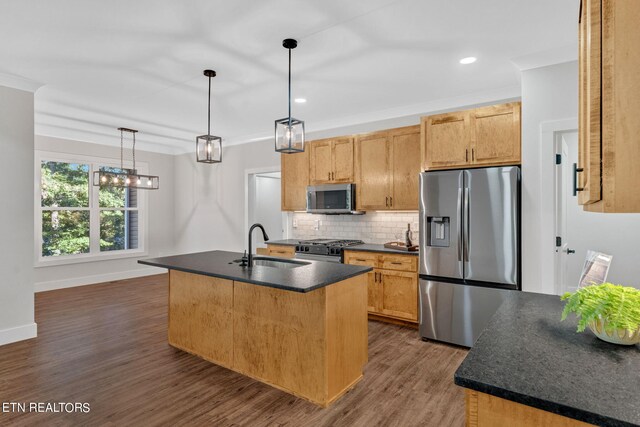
<point x="94" y="210"/>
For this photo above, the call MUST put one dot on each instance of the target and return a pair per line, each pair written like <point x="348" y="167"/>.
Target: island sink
<point x="277" y="262"/>
<point x="300" y="326"/>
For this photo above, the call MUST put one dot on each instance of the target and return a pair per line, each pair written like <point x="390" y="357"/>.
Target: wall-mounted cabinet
<point x="483" y="136"/>
<point x="387" y="165"/>
<point x="294" y="181"/>
<point x="331" y="161"/>
<point x="609" y="106"/>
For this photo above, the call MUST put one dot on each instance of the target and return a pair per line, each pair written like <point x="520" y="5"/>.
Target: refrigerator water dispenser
<point x="438" y="231"/>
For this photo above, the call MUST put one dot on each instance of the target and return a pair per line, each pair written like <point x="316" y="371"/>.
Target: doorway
<point x="579" y="230"/>
<point x="263" y="204"/>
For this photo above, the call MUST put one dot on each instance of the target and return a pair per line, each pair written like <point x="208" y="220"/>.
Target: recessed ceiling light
<point x="468" y="60"/>
<point x="300" y="100"/>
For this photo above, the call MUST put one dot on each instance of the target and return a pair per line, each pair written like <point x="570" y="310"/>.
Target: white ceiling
<point x="138" y="63"/>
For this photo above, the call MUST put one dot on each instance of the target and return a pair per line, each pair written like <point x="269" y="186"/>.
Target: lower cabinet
<point x="399" y="295"/>
<point x="282" y="251"/>
<point x="392" y="285"/>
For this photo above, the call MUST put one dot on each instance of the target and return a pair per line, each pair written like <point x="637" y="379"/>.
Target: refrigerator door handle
<point x="460" y="242"/>
<point x="467" y="213"/>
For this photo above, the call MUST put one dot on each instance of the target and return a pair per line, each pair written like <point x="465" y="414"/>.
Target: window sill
<point x="84" y="258"/>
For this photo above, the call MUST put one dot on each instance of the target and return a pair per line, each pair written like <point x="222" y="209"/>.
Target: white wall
<point x="265" y="206"/>
<point x="210" y="199"/>
<point x="160" y="225"/>
<point x="548" y="94"/>
<point x="16" y="218"/>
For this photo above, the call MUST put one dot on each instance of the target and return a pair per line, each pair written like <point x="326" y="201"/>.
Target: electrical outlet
<point x="295" y="223"/>
<point x="316" y="224"/>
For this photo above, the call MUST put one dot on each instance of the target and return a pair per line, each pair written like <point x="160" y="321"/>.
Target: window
<point x="78" y="221"/>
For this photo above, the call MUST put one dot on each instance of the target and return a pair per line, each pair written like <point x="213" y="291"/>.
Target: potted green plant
<point x="612" y="312"/>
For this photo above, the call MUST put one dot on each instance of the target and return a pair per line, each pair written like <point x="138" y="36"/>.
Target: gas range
<point x="324" y="249"/>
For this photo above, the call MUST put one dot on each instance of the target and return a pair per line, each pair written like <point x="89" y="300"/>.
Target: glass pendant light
<point x="209" y="147"/>
<point x="289" y="131"/>
<point x="129" y="178"/>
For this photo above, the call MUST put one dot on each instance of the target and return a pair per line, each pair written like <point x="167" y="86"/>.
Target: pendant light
<point x="289" y="131"/>
<point x="209" y="147"/>
<point x="129" y="178"/>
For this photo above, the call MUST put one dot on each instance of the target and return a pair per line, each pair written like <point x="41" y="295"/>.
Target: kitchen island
<point x="298" y="326"/>
<point x="528" y="369"/>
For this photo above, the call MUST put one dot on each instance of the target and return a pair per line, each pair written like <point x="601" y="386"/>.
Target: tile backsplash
<point x="372" y="227"/>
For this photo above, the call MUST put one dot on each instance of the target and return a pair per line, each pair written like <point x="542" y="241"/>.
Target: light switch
<point x="316" y="224"/>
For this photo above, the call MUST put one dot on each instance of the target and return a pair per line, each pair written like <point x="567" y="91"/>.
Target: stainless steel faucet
<point x="264" y="236"/>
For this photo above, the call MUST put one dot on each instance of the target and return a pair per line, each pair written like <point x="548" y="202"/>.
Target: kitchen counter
<point x="221" y="264"/>
<point x="366" y="247"/>
<point x="302" y="330"/>
<point x="285" y="242"/>
<point x="527" y="355"/>
<point x="371" y="247"/>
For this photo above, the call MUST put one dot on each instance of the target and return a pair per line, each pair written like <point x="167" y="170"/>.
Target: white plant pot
<point x="617" y="336"/>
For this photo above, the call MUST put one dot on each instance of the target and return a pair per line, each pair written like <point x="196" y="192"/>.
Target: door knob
<point x="570" y="251"/>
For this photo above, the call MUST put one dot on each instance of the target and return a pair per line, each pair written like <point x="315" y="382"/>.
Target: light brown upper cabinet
<point x="331" y="161"/>
<point x="609" y="106"/>
<point x="295" y="178"/>
<point x="495" y="134"/>
<point x="373" y="171"/>
<point x="479" y="137"/>
<point x="405" y="168"/>
<point x="447" y="138"/>
<point x="387" y="166"/>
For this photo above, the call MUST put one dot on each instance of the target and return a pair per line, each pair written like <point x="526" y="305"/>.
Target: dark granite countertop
<point x="285" y="242"/>
<point x="528" y="356"/>
<point x="371" y="247"/>
<point x="313" y="275"/>
<point x="366" y="247"/>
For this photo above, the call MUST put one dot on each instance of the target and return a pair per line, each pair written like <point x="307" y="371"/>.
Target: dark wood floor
<point x="106" y="345"/>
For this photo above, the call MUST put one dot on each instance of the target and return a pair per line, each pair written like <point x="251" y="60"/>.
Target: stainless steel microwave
<point x="332" y="199"/>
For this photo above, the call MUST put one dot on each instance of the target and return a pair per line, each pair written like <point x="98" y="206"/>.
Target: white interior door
<point x="264" y="205"/>
<point x="614" y="234"/>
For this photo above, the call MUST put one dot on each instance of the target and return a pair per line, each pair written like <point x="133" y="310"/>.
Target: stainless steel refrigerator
<point x="469" y="249"/>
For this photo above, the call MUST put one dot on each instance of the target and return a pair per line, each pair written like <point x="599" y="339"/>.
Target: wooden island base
<point x="312" y="345"/>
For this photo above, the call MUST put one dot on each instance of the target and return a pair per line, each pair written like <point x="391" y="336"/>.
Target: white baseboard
<point x="19" y="333"/>
<point x="99" y="278"/>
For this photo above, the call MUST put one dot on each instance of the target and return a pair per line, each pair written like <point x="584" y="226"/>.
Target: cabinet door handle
<point x="473" y="154"/>
<point x="580" y="13"/>
<point x="466" y="154"/>
<point x="329" y="176"/>
<point x="333" y="176"/>
<point x="386" y="201"/>
<point x="390" y="201"/>
<point x="576" y="169"/>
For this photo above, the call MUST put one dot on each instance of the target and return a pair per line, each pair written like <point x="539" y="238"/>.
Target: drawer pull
<point x="361" y="260"/>
<point x="396" y="263"/>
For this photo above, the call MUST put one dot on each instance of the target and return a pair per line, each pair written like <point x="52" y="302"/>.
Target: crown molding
<point x="101" y="138"/>
<point x="20" y="83"/>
